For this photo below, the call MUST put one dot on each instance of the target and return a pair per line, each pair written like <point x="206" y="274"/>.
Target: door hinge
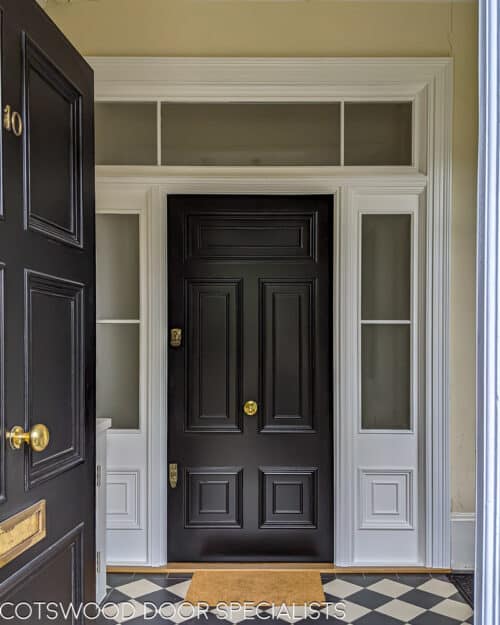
<point x="98" y="562"/>
<point x="173" y="474"/>
<point x="98" y="476"/>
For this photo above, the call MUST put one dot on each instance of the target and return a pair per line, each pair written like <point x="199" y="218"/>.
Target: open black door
<point x="47" y="309"/>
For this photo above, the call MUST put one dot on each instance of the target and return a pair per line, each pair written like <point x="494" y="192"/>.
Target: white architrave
<point x="428" y="82"/>
<point x="487" y="579"/>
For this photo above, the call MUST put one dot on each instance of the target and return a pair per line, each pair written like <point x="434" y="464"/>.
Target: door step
<point x="322" y="567"/>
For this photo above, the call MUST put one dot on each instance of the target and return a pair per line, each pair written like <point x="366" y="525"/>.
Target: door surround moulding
<point x="427" y="81"/>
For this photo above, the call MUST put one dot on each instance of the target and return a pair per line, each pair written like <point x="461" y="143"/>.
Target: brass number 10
<point x="12" y="121"/>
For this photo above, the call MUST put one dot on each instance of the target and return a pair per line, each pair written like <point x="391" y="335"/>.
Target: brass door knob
<point x="37" y="438"/>
<point x="250" y="408"/>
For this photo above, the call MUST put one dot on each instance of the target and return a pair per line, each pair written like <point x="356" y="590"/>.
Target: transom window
<point x="342" y="133"/>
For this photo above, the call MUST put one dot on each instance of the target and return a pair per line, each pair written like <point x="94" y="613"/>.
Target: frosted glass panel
<point x="118" y="374"/>
<point x="378" y="133"/>
<point x="385" y="377"/>
<point x="117" y="251"/>
<point x="126" y="133"/>
<point x="386" y="267"/>
<point x="250" y="134"/>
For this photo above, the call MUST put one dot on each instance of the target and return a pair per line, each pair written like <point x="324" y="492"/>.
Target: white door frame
<point x="425" y="81"/>
<point x="487" y="579"/>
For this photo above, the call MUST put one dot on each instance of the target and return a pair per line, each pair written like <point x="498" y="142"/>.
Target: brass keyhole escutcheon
<point x="37" y="438"/>
<point x="250" y="408"/>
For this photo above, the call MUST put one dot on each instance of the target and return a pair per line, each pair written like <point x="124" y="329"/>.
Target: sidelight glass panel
<point x="250" y="133"/>
<point x="117" y="260"/>
<point x="118" y="374"/>
<point x="378" y="133"/>
<point x="386" y="267"/>
<point x="126" y="133"/>
<point x="385" y="371"/>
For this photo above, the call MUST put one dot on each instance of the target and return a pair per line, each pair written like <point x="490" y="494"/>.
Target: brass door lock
<point x="175" y="337"/>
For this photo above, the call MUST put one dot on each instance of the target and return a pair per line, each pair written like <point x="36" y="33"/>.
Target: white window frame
<point x="428" y="83"/>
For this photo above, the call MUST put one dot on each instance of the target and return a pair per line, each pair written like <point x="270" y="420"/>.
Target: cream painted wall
<point x="329" y="28"/>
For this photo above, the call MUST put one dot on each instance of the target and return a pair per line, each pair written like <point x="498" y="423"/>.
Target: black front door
<point x="47" y="318"/>
<point x="250" y="406"/>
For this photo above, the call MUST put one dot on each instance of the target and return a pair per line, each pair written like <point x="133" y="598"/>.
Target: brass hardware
<point x="173" y="474"/>
<point x="12" y="121"/>
<point x="250" y="408"/>
<point x="22" y="531"/>
<point x="175" y="337"/>
<point x="37" y="438"/>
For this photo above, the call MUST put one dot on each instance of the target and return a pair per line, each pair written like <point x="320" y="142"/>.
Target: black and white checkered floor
<point x="368" y="600"/>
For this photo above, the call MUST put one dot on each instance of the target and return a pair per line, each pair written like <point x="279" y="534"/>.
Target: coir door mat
<point x="256" y="587"/>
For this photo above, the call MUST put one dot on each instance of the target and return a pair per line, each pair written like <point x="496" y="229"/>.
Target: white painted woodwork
<point x="487" y="578"/>
<point x="102" y="427"/>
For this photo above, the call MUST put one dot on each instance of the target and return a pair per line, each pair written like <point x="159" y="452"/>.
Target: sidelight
<point x="386" y="321"/>
<point x="118" y="318"/>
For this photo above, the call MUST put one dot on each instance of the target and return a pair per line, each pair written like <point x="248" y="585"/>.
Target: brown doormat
<point x="256" y="587"/>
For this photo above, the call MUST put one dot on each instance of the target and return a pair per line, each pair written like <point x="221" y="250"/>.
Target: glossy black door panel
<point x="250" y="285"/>
<point x="53" y="117"/>
<point x="47" y="307"/>
<point x="213" y="355"/>
<point x="289" y="344"/>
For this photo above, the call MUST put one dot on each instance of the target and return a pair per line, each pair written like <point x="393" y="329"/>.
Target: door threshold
<point x="321" y="567"/>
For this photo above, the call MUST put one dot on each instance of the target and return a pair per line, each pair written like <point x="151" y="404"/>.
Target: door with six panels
<point x="250" y="397"/>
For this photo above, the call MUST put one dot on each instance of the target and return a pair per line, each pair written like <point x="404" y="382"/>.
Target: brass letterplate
<point x="22" y="531"/>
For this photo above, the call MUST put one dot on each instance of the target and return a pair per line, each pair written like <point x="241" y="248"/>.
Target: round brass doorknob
<point x="37" y="438"/>
<point x="250" y="408"/>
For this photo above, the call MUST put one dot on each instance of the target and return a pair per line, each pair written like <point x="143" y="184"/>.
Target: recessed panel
<point x="278" y="236"/>
<point x="54" y="372"/>
<point x="213" y="356"/>
<point x="386" y="498"/>
<point x="288" y="497"/>
<point x="287" y="356"/>
<point x="251" y="133"/>
<point x="213" y="497"/>
<point x="52" y="149"/>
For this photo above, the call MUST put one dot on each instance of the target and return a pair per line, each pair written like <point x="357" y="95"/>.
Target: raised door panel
<point x="52" y="149"/>
<point x="287" y="356"/>
<point x="50" y="584"/>
<point x="243" y="236"/>
<point x="213" y="497"/>
<point x="54" y="374"/>
<point x="288" y="497"/>
<point x="213" y="356"/>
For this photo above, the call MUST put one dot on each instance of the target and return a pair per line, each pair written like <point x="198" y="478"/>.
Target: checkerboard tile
<point x="365" y="600"/>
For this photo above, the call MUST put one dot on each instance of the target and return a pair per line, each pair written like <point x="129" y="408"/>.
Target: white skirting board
<point x="462" y="540"/>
